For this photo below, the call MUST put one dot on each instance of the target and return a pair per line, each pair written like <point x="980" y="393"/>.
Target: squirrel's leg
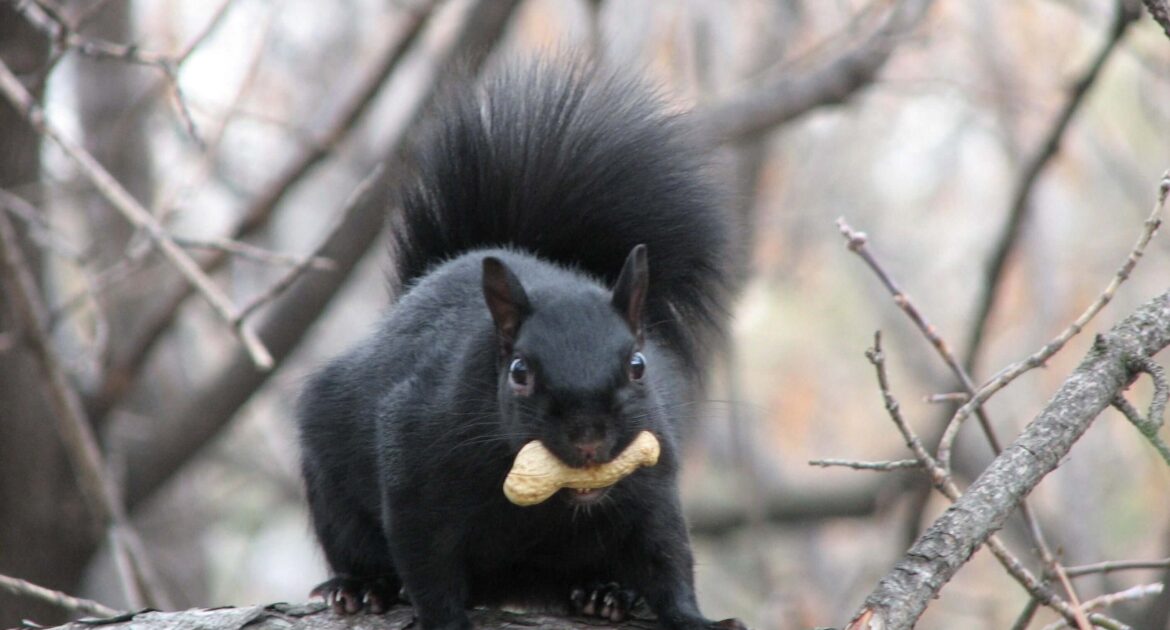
<point x="661" y="567"/>
<point x="356" y="550"/>
<point x="433" y="575"/>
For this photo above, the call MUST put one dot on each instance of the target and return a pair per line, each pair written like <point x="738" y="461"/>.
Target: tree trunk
<point x="44" y="529"/>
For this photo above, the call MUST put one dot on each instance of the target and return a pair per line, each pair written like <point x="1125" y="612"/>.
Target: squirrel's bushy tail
<point x="577" y="165"/>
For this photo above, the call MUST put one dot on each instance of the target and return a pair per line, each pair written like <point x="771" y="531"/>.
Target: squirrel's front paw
<point x="604" y="600"/>
<point x="347" y="596"/>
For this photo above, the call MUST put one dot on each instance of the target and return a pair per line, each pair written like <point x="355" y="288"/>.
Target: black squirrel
<point x="565" y="263"/>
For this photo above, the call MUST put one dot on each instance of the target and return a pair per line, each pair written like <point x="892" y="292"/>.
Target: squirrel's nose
<point x="589" y="450"/>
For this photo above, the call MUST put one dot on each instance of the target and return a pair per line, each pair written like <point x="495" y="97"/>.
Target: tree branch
<point x="903" y="594"/>
<point x="22" y="588"/>
<point x="317" y="616"/>
<point x="791" y="95"/>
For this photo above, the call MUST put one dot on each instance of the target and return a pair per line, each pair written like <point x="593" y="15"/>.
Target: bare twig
<point x="132" y="211"/>
<point x="210" y="27"/>
<point x="950" y="397"/>
<point x="857" y="241"/>
<point x="1025" y="617"/>
<point x="1150" y="424"/>
<point x="49" y="20"/>
<point x="17" y="586"/>
<point x="39" y="229"/>
<point x="900" y="464"/>
<point x="1135" y="593"/>
<point x="1110" y="566"/>
<point x="73" y="426"/>
<point x="1030" y="174"/>
<point x="355" y="197"/>
<point x="1041" y="356"/>
<point x="165" y="204"/>
<point x="258" y="254"/>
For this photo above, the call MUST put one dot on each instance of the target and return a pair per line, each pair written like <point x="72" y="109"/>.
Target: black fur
<point x="529" y="195"/>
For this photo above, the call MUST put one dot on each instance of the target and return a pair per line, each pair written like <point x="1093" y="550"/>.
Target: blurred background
<point x="918" y="122"/>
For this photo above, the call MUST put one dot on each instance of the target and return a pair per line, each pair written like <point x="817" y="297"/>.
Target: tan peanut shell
<point x="537" y="474"/>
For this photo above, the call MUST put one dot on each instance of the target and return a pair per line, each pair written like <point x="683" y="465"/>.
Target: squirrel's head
<point x="572" y="372"/>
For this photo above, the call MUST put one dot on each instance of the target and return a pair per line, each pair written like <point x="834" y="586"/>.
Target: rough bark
<point x="904" y="593"/>
<point x="318" y="617"/>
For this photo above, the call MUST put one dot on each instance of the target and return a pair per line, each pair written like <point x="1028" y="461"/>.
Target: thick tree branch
<point x="791" y="95"/>
<point x="316" y="616"/>
<point x="903" y="594"/>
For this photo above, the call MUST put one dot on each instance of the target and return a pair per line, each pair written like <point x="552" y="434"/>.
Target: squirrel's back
<point x="575" y="164"/>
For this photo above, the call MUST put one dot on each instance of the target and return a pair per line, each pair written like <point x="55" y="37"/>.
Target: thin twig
<point x="132" y="211"/>
<point x="1135" y="593"/>
<point x="899" y="464"/>
<point x="52" y="23"/>
<point x="1152" y="422"/>
<point x="50" y="20"/>
<point x="258" y="254"/>
<point x="1110" y="566"/>
<point x="356" y="196"/>
<point x="20" y="587"/>
<point x="39" y="229"/>
<point x="856" y="242"/>
<point x="950" y="397"/>
<point x="1025" y="617"/>
<point x="1041" y="356"/>
<point x="208" y="28"/>
<point x="207" y="164"/>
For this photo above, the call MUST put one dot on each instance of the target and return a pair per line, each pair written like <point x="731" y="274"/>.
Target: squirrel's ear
<point x="506" y="300"/>
<point x="629" y="292"/>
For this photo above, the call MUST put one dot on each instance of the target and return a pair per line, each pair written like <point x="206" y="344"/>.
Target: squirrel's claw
<point x="605" y="600"/>
<point x="348" y="596"/>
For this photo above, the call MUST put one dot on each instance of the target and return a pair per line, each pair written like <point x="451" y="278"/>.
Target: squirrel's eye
<point x="518" y="371"/>
<point x="637" y="366"/>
